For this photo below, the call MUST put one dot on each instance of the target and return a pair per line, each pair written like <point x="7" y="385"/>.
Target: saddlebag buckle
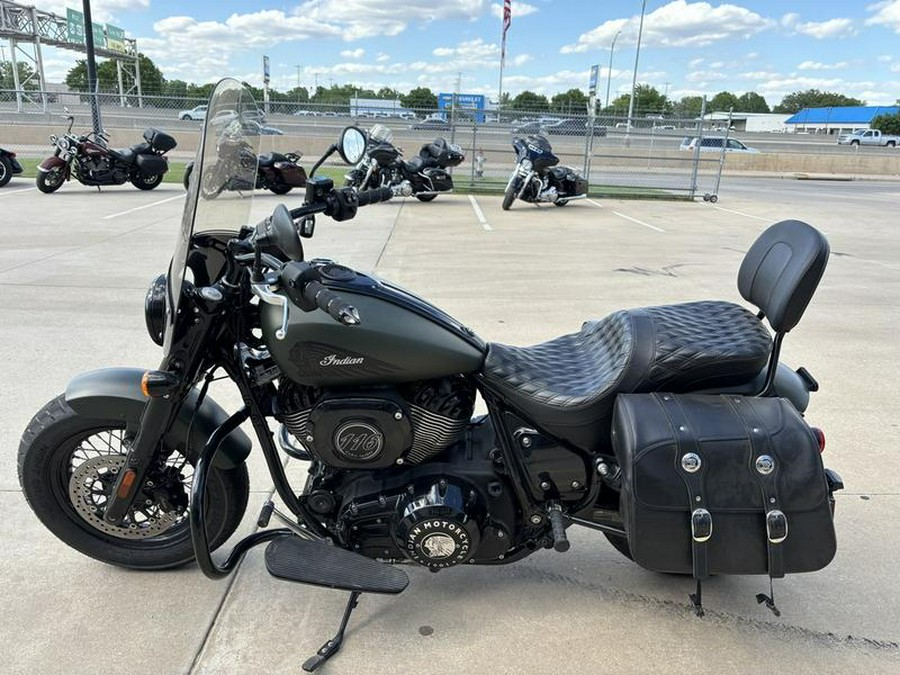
<point x="776" y="526"/>
<point x="701" y="525"/>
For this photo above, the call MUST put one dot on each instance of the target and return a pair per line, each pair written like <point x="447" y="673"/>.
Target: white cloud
<point x="353" y="53"/>
<point x="895" y="68"/>
<point x="695" y="63"/>
<point x="886" y="14"/>
<point x="816" y="65"/>
<point x="833" y="28"/>
<point x="518" y="9"/>
<point x="705" y="76"/>
<point x="885" y="58"/>
<point x="677" y="24"/>
<point x="382" y="58"/>
<point x="370" y="18"/>
<point x="102" y="11"/>
<point x="760" y="75"/>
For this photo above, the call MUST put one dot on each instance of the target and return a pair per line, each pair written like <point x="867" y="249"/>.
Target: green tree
<point x="688" y="107"/>
<point x="25" y="71"/>
<point x="152" y="81"/>
<point x="388" y="94"/>
<point x="528" y="100"/>
<point x="648" y="100"/>
<point x="420" y="98"/>
<point x="887" y="124"/>
<point x="813" y="98"/>
<point x="752" y="102"/>
<point x="723" y="101"/>
<point x="569" y="102"/>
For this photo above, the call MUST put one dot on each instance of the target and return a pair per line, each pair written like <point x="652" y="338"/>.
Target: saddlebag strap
<point x="690" y="466"/>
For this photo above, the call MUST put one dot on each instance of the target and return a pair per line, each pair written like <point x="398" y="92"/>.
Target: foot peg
<point x="560" y="541"/>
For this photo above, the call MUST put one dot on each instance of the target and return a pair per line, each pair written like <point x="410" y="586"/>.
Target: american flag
<point x="507" y="20"/>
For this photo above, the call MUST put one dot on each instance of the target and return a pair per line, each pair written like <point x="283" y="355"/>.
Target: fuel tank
<point x="401" y="338"/>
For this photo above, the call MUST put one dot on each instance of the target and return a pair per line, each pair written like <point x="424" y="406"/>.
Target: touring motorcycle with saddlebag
<point x="674" y="430"/>
<point x="537" y="178"/>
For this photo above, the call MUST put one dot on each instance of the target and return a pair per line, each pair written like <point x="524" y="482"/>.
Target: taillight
<point x="820" y="438"/>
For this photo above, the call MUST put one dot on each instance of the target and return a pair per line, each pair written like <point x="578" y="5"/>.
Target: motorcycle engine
<point x="98" y="168"/>
<point x="377" y="427"/>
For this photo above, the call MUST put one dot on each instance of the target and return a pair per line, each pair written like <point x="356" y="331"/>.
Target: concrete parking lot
<point x="74" y="267"/>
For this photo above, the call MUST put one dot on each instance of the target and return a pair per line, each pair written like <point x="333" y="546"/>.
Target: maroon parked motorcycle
<point x="275" y="171"/>
<point x="89" y="160"/>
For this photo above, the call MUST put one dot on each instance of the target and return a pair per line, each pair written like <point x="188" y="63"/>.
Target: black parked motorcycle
<point x="424" y="176"/>
<point x="277" y="172"/>
<point x="91" y="161"/>
<point x="536" y="177"/>
<point x="672" y="430"/>
<point x="9" y="166"/>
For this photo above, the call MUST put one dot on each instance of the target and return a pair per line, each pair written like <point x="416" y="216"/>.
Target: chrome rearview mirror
<point x="352" y="145"/>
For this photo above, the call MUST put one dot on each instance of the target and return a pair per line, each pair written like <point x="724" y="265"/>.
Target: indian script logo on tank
<point x="335" y="360"/>
<point x="358" y="441"/>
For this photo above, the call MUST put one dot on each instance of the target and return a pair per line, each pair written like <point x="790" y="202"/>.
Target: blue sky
<point x="688" y="47"/>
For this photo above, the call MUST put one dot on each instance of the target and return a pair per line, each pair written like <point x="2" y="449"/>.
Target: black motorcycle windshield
<point x="221" y="183"/>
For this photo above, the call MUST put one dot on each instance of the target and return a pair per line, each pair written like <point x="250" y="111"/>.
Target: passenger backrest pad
<point x="781" y="271"/>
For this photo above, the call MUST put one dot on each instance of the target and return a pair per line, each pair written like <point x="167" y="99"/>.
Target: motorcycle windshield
<point x="220" y="185"/>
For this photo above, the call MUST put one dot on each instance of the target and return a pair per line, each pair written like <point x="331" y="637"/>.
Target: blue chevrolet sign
<point x="464" y="102"/>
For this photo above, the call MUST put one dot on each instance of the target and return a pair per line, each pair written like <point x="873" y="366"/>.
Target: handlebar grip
<point x="331" y="303"/>
<point x="367" y="197"/>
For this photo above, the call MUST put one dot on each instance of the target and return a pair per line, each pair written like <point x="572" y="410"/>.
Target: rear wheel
<point x="561" y="202"/>
<point x="146" y="182"/>
<point x="508" y="198"/>
<point x="280" y="188"/>
<point x="52" y="180"/>
<point x="620" y="544"/>
<point x="426" y="198"/>
<point x="5" y="170"/>
<point x="186" y="179"/>
<point x="892" y="144"/>
<point x="68" y="464"/>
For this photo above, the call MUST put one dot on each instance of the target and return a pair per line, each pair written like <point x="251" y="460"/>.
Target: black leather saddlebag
<point x="440" y="180"/>
<point x="152" y="165"/>
<point x="721" y="485"/>
<point x="159" y="140"/>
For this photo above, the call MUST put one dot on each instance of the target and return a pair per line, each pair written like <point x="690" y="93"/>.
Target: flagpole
<point x="506" y="20"/>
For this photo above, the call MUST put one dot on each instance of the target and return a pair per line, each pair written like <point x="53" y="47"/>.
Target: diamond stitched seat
<point x="568" y="385"/>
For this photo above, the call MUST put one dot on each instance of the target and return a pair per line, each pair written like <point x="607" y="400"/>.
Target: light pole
<point x="637" y="55"/>
<point x="609" y="70"/>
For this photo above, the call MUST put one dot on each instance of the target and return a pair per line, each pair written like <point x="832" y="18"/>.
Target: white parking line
<point x="479" y="213"/>
<point x="740" y="213"/>
<point x="639" y="222"/>
<point x="140" y="208"/>
<point x="595" y="203"/>
<point x="13" y="192"/>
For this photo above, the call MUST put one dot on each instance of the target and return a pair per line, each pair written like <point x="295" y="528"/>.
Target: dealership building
<point x="837" y="120"/>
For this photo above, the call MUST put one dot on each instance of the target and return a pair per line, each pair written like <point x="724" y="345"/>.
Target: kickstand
<point x="331" y="647"/>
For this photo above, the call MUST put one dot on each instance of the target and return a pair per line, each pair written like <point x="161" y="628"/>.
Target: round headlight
<point x="155" y="309"/>
<point x="526" y="164"/>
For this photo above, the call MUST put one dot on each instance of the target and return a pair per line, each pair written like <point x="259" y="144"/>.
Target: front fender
<point x="115" y="393"/>
<point x="53" y="162"/>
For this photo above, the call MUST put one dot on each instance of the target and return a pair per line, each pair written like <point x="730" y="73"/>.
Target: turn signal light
<point x="820" y="438"/>
<point x="158" y="383"/>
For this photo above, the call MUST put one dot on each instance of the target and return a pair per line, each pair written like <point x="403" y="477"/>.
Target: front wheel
<point x="892" y="144"/>
<point x="508" y="198"/>
<point x="5" y="170"/>
<point x="50" y="181"/>
<point x="142" y="182"/>
<point x="280" y="188"/>
<point x="186" y="178"/>
<point x="426" y="198"/>
<point x="68" y="465"/>
<point x="561" y="202"/>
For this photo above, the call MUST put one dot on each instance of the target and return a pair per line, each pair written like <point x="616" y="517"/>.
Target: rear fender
<point x="53" y="162"/>
<point x="115" y="393"/>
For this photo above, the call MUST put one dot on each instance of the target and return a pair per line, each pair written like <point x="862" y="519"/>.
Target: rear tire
<point x="620" y="544"/>
<point x="892" y="144"/>
<point x="51" y="180"/>
<point x="280" y="188"/>
<point x="508" y="198"/>
<point x="54" y="452"/>
<point x="186" y="178"/>
<point x="5" y="170"/>
<point x="561" y="202"/>
<point x="426" y="198"/>
<point x="146" y="182"/>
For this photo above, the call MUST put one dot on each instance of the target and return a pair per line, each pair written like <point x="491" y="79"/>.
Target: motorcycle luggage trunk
<point x="576" y="184"/>
<point x="159" y="140"/>
<point x="152" y="165"/>
<point x="723" y="478"/>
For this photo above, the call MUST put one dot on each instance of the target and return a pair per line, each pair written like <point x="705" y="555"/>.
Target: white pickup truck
<point x="868" y="137"/>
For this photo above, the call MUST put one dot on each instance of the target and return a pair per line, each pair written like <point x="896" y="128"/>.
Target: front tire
<point x="50" y="181"/>
<point x="426" y="198"/>
<point x="146" y="182"/>
<point x="508" y="198"/>
<point x="890" y="144"/>
<point x="280" y="188"/>
<point x="561" y="202"/>
<point x="5" y="170"/>
<point x="67" y="465"/>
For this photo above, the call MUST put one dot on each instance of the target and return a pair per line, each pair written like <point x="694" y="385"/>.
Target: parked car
<point x="572" y="127"/>
<point x="527" y="128"/>
<point x="868" y="137"/>
<point x="254" y="128"/>
<point x="198" y="113"/>
<point x="716" y="143"/>
<point x="432" y="124"/>
<point x="9" y="166"/>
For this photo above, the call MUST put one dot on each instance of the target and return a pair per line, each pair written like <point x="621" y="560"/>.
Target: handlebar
<point x="367" y="197"/>
<point x="331" y="303"/>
